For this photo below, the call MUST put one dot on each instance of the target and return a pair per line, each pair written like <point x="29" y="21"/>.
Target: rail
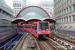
<point x="51" y="45"/>
<point x="64" y="39"/>
<point x="43" y="46"/>
<point x="19" y="43"/>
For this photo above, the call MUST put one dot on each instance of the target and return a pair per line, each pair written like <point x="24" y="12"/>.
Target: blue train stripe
<point x="37" y="31"/>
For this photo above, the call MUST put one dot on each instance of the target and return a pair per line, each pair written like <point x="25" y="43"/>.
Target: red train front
<point x="38" y="29"/>
<point x="44" y="29"/>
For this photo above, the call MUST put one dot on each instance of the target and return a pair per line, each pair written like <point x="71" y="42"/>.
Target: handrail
<point x="12" y="43"/>
<point x="19" y="43"/>
<point x="72" y="32"/>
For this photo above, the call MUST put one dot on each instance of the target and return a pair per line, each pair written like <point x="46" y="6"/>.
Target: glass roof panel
<point x="32" y="15"/>
<point x="35" y="9"/>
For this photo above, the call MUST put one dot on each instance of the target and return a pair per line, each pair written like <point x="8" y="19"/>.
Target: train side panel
<point x="34" y="30"/>
<point x="21" y="27"/>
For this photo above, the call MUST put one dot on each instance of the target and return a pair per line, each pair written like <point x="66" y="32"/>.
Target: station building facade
<point x="48" y="6"/>
<point x="64" y="14"/>
<point x="6" y="16"/>
<point x="17" y="6"/>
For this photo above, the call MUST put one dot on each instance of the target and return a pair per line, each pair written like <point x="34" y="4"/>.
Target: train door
<point x="28" y="28"/>
<point x="32" y="28"/>
<point x="25" y="27"/>
<point x="36" y="31"/>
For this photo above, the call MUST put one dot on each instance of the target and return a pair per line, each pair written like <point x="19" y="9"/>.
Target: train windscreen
<point x="43" y="26"/>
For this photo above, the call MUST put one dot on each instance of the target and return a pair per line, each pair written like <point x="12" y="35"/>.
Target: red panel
<point x="50" y="20"/>
<point x="18" y="20"/>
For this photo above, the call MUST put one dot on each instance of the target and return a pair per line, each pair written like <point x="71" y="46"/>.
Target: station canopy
<point x="33" y="13"/>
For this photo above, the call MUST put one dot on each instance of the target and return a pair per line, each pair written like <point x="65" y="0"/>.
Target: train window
<point x="47" y="26"/>
<point x="25" y="26"/>
<point x="43" y="26"/>
<point x="35" y="26"/>
<point x="32" y="26"/>
<point x="28" y="26"/>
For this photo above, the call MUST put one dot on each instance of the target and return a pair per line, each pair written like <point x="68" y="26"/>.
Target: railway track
<point x="29" y="43"/>
<point x="70" y="45"/>
<point x="57" y="45"/>
<point x="45" y="45"/>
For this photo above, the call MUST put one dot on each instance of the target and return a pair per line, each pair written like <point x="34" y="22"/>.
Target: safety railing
<point x="12" y="42"/>
<point x="71" y="32"/>
<point x="19" y="44"/>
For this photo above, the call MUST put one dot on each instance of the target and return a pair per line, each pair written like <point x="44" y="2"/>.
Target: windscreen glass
<point x="43" y="26"/>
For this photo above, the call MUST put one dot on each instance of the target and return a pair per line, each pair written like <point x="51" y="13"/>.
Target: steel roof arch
<point x="32" y="6"/>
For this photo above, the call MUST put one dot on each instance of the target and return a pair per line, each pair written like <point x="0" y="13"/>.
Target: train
<point x="38" y="29"/>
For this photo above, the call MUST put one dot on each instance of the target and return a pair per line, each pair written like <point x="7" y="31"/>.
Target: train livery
<point x="37" y="28"/>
